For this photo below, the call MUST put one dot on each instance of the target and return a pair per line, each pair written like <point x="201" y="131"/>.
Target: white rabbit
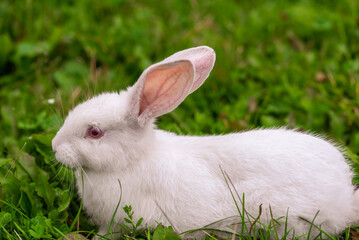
<point x="177" y="180"/>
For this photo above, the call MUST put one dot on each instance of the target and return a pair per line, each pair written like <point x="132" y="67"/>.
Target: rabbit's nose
<point x="53" y="148"/>
<point x="54" y="144"/>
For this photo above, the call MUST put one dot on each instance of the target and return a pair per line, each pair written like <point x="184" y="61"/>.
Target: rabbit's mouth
<point x="65" y="155"/>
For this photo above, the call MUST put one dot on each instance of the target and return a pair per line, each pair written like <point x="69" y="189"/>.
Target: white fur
<point x="278" y="168"/>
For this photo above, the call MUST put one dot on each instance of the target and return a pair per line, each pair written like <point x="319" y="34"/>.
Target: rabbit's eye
<point x="94" y="132"/>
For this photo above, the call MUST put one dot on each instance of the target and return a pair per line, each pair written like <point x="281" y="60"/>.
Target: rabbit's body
<point x="178" y="179"/>
<point x="187" y="183"/>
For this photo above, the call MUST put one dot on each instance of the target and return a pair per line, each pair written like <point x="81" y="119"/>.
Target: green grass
<point x="292" y="63"/>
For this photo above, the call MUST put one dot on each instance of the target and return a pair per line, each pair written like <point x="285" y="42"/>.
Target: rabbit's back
<point x="280" y="168"/>
<point x="268" y="153"/>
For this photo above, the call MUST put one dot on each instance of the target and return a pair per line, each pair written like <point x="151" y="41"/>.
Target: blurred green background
<point x="279" y="63"/>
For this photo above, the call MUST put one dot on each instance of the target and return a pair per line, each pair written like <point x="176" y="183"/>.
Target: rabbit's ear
<point x="160" y="89"/>
<point x="202" y="58"/>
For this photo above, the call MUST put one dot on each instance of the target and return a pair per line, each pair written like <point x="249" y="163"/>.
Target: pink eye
<point x="94" y="132"/>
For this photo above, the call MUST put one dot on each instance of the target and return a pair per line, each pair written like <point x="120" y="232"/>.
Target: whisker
<point x="78" y="166"/>
<point x="72" y="186"/>
<point x="57" y="166"/>
<point x="86" y="175"/>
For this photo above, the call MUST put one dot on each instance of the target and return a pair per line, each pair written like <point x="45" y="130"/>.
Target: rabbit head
<point x="114" y="130"/>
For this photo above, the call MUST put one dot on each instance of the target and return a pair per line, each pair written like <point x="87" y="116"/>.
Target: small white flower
<point x="51" y="101"/>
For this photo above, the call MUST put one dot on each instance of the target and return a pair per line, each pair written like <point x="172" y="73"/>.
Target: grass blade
<point x="116" y="209"/>
<point x="255" y="221"/>
<point x="79" y="211"/>
<point x="12" y="165"/>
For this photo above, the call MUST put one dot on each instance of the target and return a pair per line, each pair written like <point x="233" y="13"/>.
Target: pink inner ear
<point x="165" y="88"/>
